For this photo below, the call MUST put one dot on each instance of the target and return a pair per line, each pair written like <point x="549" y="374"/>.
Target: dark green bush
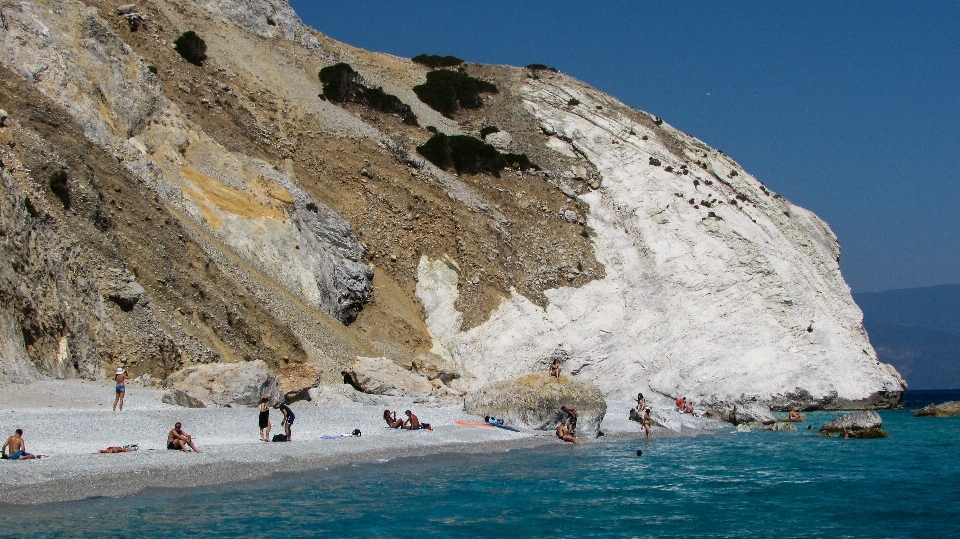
<point x="541" y="67"/>
<point x="432" y="129"/>
<point x="342" y="84"/>
<point x="191" y="47"/>
<point x="469" y="155"/>
<point x="434" y="61"/>
<point x="488" y="130"/>
<point x="447" y="91"/>
<point x="60" y="187"/>
<point x="573" y="102"/>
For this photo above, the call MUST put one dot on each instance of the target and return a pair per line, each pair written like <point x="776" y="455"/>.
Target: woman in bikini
<point x="265" y="424"/>
<point x="391" y="419"/>
<point x="121" y="378"/>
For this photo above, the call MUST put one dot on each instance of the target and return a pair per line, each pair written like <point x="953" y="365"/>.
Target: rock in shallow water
<point x="863" y="424"/>
<point x="945" y="409"/>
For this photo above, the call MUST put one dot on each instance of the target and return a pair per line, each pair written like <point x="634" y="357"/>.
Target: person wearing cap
<point x="121" y="378"/>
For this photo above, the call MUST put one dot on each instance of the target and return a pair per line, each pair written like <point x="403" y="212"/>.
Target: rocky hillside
<point x="164" y="206"/>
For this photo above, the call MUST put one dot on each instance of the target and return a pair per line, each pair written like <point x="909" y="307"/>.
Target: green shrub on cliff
<point x="469" y="155"/>
<point x="191" y="47"/>
<point x="341" y="84"/>
<point x="434" y="61"/>
<point x="447" y="91"/>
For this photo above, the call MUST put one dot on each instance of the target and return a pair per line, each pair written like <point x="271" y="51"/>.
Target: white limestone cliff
<point x="719" y="302"/>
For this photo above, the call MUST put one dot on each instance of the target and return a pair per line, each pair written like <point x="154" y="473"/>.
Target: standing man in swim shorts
<point x="288" y="417"/>
<point x="15" y="448"/>
<point x="121" y="378"/>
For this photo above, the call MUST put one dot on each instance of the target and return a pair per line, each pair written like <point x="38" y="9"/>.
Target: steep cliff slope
<point x="159" y="213"/>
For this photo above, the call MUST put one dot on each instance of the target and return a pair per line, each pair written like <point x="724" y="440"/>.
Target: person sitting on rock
<point x="555" y="369"/>
<point x="794" y="415"/>
<point x="688" y="409"/>
<point x="565" y="434"/>
<point x="641" y="402"/>
<point x="680" y="404"/>
<point x="391" y="419"/>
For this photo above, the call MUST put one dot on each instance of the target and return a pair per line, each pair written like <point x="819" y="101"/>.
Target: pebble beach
<point x="68" y="421"/>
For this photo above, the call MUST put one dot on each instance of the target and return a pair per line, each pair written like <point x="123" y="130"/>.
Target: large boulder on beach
<point x="945" y="409"/>
<point x="221" y="385"/>
<point x="752" y="412"/>
<point x="382" y="376"/>
<point x="534" y="401"/>
<point x="862" y="424"/>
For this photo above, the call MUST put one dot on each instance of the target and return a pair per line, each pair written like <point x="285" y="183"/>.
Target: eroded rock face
<point x="222" y="385"/>
<point x="382" y="376"/>
<point x="715" y="287"/>
<point x="534" y="401"/>
<point x="945" y="409"/>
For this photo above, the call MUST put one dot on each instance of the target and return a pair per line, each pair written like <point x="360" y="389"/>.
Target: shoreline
<point x="70" y="420"/>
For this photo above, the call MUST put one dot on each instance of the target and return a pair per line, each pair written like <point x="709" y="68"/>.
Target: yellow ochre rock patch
<point x="264" y="200"/>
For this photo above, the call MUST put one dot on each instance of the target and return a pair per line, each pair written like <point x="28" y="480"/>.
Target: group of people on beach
<point x="685" y="407"/>
<point x="412" y="422"/>
<point x="266" y="425"/>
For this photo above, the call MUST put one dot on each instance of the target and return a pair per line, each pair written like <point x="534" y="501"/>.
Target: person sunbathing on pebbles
<point x="178" y="440"/>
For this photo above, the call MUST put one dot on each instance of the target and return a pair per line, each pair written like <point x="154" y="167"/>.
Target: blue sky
<point x="849" y="109"/>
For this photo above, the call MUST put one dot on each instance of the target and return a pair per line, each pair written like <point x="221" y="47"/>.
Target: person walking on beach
<point x="264" y="419"/>
<point x="178" y="440"/>
<point x="15" y="448"/>
<point x="288" y="418"/>
<point x="121" y="379"/>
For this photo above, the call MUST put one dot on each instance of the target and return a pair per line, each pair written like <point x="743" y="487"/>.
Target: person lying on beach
<point x="566" y="435"/>
<point x="391" y="419"/>
<point x="115" y="449"/>
<point x="555" y="369"/>
<point x="288" y="418"/>
<point x="413" y="422"/>
<point x="178" y="440"/>
<point x="571" y="419"/>
<point x="15" y="448"/>
<point x="493" y="421"/>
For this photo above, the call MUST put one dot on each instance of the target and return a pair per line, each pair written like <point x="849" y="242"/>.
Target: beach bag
<point x="279" y="437"/>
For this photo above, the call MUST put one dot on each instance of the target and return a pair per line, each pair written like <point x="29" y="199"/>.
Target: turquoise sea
<point x="757" y="484"/>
